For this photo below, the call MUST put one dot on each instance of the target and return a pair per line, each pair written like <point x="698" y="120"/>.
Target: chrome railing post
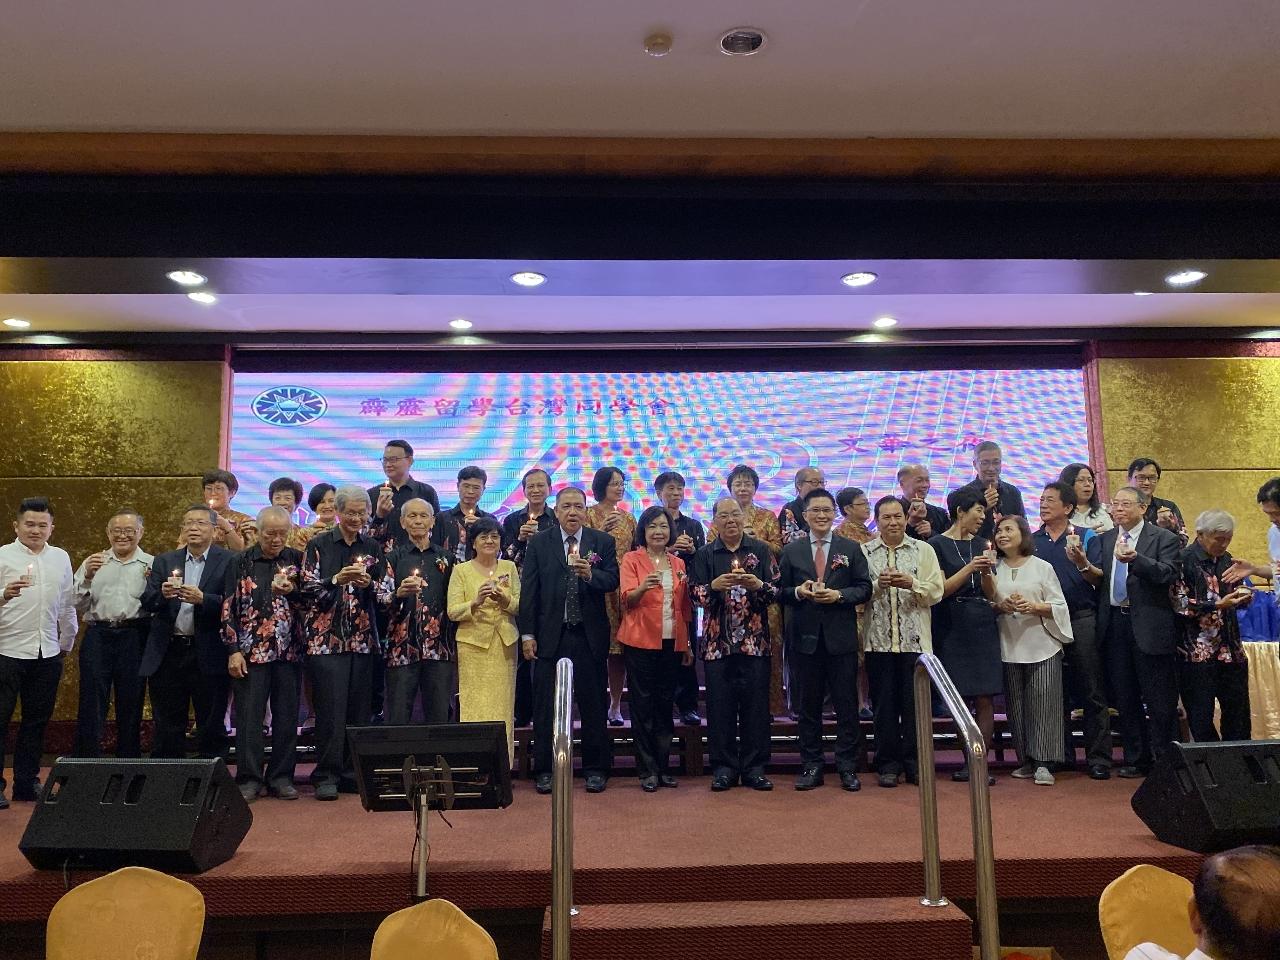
<point x="930" y="672"/>
<point x="562" y="909"/>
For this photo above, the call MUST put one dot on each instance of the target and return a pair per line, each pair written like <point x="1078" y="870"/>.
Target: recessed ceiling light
<point x="17" y="323"/>
<point x="1142" y="293"/>
<point x="186" y="278"/>
<point x="528" y="278"/>
<point x="742" y="41"/>
<point x="202" y="296"/>
<point x="859" y="279"/>
<point x="884" y="323"/>
<point x="460" y="323"/>
<point x="1184" y="278"/>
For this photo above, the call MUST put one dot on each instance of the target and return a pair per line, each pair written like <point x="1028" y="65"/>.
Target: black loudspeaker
<point x="177" y="816"/>
<point x="1209" y="797"/>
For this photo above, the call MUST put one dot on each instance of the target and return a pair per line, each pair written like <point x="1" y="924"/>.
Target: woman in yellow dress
<point x="484" y="599"/>
<point x="608" y="486"/>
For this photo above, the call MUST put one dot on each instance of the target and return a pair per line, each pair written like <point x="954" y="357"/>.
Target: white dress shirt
<point x="115" y="592"/>
<point x="814" y="540"/>
<point x="184" y="625"/>
<point x="41" y="620"/>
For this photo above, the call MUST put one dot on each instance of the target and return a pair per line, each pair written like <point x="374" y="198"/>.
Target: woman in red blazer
<point x="654" y="634"/>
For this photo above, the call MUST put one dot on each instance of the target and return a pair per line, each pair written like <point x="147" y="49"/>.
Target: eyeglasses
<point x="820" y="511"/>
<point x="122" y="532"/>
<point x="989" y="463"/>
<point x="393" y="459"/>
<point x="196" y="523"/>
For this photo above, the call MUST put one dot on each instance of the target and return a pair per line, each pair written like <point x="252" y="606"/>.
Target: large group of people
<point x="388" y="607"/>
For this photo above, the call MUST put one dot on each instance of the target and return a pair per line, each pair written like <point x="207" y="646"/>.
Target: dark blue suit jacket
<point x="835" y="623"/>
<point x="210" y="652"/>
<point x="542" y="590"/>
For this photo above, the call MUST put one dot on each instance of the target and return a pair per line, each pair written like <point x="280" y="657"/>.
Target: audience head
<point x="397" y="458"/>
<point x="274" y="523"/>
<point x="1235" y="907"/>
<point x="1269" y="500"/>
<point x="219" y="486"/>
<point x="571" y="509"/>
<point x="285" y="492"/>
<point x="809" y="478"/>
<point x="1128" y="506"/>
<point x="968" y="510"/>
<point x="1144" y="475"/>
<point x="608" y="485"/>
<point x="1079" y="476"/>
<point x="819" y="511"/>
<point x="653" y="529"/>
<point x="320" y="500"/>
<point x="353" y="508"/>
<point x="1214" y="530"/>
<point x="485" y="536"/>
<point x="33" y="523"/>
<point x="670" y="489"/>
<point x="198" y="524"/>
<point x="853" y="504"/>
<point x="417" y="518"/>
<point x="728" y="519"/>
<point x="913" y="479"/>
<point x="743" y="482"/>
<point x="536" y="484"/>
<point x="987" y="462"/>
<point x="471" y="483"/>
<point x="1057" y="502"/>
<point x="891" y="520"/>
<point x="124" y="532"/>
<point x="1013" y="537"/>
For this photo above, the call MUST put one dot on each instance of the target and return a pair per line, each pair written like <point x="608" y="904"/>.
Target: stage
<point x="308" y="866"/>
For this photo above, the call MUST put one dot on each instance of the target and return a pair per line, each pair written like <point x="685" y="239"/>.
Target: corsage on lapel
<point x="594" y="559"/>
<point x="442" y="564"/>
<point x="839" y="560"/>
<point x="751" y="562"/>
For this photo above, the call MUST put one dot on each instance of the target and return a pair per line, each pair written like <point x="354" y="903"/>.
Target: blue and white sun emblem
<point x="289" y="406"/>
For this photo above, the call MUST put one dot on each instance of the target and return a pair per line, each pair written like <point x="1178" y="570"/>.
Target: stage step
<point x="869" y="929"/>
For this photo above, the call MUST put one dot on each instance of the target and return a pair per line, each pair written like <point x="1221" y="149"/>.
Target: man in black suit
<point x="567" y="572"/>
<point x="924" y="520"/>
<point x="185" y="659"/>
<point x="1134" y="565"/>
<point x="824" y="578"/>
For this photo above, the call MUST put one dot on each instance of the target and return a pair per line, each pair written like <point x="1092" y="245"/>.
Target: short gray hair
<point x="348" y="492"/>
<point x="425" y="503"/>
<point x="1215" y="521"/>
<point x="273" y="513"/>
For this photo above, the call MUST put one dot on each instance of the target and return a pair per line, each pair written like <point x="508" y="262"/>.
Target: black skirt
<point x="970" y="648"/>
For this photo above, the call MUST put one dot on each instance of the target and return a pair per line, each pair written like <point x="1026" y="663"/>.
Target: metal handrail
<point x="929" y="670"/>
<point x="562" y="908"/>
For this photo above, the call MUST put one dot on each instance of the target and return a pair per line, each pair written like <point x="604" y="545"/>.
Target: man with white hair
<point x="341" y="571"/>
<point x="260" y="627"/>
<point x="1212" y="664"/>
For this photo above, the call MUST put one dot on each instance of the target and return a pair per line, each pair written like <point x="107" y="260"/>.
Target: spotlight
<point x="203" y="296"/>
<point x="17" y="323"/>
<point x="1184" y="278"/>
<point x="528" y="278"/>
<point x="884" y="323"/>
<point x="459" y="323"/>
<point x="860" y="279"/>
<point x="186" y="278"/>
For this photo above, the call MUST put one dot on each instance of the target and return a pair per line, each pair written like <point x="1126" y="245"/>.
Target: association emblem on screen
<point x="289" y="406"/>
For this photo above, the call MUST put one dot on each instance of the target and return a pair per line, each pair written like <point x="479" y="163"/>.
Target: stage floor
<point x="307" y="858"/>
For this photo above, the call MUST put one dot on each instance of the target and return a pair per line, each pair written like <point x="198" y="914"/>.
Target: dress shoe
<point x="1098" y="771"/>
<point x="849" y="781"/>
<point x="596" y="783"/>
<point x="866" y="714"/>
<point x="327" y="791"/>
<point x="542" y="783"/>
<point x="758" y="783"/>
<point x="617" y="722"/>
<point x="26" y="792"/>
<point x="887" y="779"/>
<point x="811" y="777"/>
<point x="667" y="780"/>
<point x="649" y="784"/>
<point x="1124" y="773"/>
<point x="690" y="718"/>
<point x="721" y="783"/>
<point x="250" y="791"/>
<point x="961" y="775"/>
<point x="283" y="791"/>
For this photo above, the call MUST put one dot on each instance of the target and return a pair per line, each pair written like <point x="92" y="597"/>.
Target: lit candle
<point x="30" y="570"/>
<point x="415" y="573"/>
<point x="735" y="566"/>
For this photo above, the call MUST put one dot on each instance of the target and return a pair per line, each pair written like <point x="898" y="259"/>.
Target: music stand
<point x="444" y="766"/>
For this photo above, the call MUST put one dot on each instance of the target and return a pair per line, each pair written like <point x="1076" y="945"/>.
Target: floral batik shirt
<point x="416" y="626"/>
<point x="737" y="619"/>
<point x="262" y="625"/>
<point x="341" y="619"/>
<point x="1208" y="633"/>
<point x="897" y="619"/>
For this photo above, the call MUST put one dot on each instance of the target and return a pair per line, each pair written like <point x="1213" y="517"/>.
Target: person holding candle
<point x="608" y="487"/>
<point x="185" y="660"/>
<point x="517" y="529"/>
<point x="234" y="530"/>
<point x="452" y="530"/>
<point x="37" y="626"/>
<point x="484" y="601"/>
<point x="924" y="520"/>
<point x="687" y="538"/>
<point x="1000" y="498"/>
<point x="392" y="494"/>
<point x="1090" y="512"/>
<point x="419" y="654"/>
<point x="261" y="629"/>
<point x="791" y="517"/>
<point x="341" y="573"/>
<point x="1144" y="476"/>
<point x="654" y="634"/>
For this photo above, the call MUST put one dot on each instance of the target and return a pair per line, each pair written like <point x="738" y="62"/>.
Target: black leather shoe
<point x="595" y="783"/>
<point x="667" y="780"/>
<point x="720" y="784"/>
<point x="1099" y="772"/>
<point x="1130" y="773"/>
<point x="327" y="791"/>
<point x="690" y="718"/>
<point x="617" y="722"/>
<point x="250" y="791"/>
<point x="26" y="792"/>
<point x="649" y="784"/>
<point x="542" y="783"/>
<point x="849" y="781"/>
<point x="961" y="775"/>
<point x="283" y="791"/>
<point x="887" y="779"/>
<point x="810" y="778"/>
<point x="757" y="783"/>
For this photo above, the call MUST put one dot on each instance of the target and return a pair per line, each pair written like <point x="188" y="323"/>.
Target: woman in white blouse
<point x="1034" y="624"/>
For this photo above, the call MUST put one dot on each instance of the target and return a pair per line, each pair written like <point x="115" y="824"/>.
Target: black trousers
<point x="686" y="692"/>
<point x="1228" y="684"/>
<point x="1086" y="681"/>
<point x="110" y="657"/>
<point x="524" y="691"/>
<point x="651" y="681"/>
<point x="1139" y="678"/>
<point x="275" y="683"/>
<point x="891" y="682"/>
<point x="590" y="690"/>
<point x="437" y="679"/>
<point x="177" y="686"/>
<point x="815" y="675"/>
<point x="341" y="688"/>
<point x="34" y="684"/>
<point x="738" y="715"/>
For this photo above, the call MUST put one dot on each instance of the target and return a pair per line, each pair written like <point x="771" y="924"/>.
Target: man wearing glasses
<point x="184" y="658"/>
<point x="1002" y="499"/>
<point x="397" y="490"/>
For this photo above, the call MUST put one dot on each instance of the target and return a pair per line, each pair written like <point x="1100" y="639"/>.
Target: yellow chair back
<point x="1146" y="904"/>
<point x="431" y="929"/>
<point x="131" y="913"/>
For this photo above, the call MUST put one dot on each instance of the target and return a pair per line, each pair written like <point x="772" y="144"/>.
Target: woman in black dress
<point x="965" y="621"/>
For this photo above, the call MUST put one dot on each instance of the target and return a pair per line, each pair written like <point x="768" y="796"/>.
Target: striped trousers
<point x="1033" y="694"/>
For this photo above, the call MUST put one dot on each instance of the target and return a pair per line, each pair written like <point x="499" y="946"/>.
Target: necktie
<point x="820" y="558"/>
<point x="1120" y="579"/>
<point x="572" y="602"/>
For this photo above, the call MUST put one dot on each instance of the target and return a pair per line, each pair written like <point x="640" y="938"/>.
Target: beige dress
<point x="624" y="535"/>
<point x="486" y="646"/>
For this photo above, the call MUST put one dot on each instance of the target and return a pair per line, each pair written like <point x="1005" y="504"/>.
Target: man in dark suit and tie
<point x="567" y="571"/>
<point x="1134" y="565"/>
<point x="824" y="578"/>
<point x="185" y="659"/>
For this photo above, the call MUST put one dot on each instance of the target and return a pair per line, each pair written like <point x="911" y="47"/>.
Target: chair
<point x="1146" y="905"/>
<point x="433" y="928"/>
<point x="133" y="912"/>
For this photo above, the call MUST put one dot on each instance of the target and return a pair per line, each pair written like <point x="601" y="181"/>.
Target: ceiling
<point x="831" y="68"/>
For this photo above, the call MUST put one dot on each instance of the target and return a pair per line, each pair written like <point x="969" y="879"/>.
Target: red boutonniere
<point x="839" y="560"/>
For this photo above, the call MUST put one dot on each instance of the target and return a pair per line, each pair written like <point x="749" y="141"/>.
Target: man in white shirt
<point x="108" y="589"/>
<point x="37" y="625"/>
